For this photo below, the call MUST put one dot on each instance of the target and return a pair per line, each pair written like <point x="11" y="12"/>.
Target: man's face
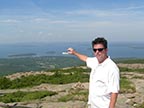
<point x="100" y="52"/>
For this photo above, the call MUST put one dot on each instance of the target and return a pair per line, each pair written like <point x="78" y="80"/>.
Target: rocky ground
<point x="127" y="100"/>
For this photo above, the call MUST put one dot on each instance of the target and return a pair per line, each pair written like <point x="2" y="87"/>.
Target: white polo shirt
<point x="104" y="80"/>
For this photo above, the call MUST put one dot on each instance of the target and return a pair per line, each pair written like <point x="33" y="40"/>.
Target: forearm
<point x="80" y="56"/>
<point x="113" y="100"/>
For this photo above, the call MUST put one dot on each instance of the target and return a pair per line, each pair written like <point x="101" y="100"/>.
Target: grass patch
<point x="138" y="77"/>
<point x="71" y="70"/>
<point x="80" y="95"/>
<point x="25" y="96"/>
<point x="141" y="105"/>
<point x="129" y="60"/>
<point x="59" y="77"/>
<point x="125" y="69"/>
<point x="126" y="86"/>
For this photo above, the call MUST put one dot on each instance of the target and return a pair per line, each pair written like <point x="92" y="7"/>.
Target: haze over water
<point x="116" y="50"/>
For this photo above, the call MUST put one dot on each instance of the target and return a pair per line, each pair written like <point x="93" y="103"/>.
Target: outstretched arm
<point x="80" y="56"/>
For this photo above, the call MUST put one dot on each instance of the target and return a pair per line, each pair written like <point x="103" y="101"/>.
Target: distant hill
<point x="25" y="64"/>
<point x="44" y="63"/>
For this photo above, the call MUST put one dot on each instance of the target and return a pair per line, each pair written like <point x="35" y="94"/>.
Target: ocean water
<point x="115" y="50"/>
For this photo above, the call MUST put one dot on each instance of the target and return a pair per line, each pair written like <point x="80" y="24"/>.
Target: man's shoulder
<point x="91" y="62"/>
<point x="91" y="59"/>
<point x="111" y="63"/>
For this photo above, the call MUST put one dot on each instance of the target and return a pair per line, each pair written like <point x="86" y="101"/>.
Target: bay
<point x="115" y="50"/>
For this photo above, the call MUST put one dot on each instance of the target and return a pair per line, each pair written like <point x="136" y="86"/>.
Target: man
<point x="104" y="76"/>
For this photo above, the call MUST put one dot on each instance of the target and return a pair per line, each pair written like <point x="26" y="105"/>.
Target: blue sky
<point x="71" y="20"/>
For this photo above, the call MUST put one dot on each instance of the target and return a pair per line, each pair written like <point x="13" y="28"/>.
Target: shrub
<point x="5" y="83"/>
<point x="25" y="96"/>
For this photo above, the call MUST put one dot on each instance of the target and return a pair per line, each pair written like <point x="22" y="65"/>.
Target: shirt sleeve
<point x="114" y="81"/>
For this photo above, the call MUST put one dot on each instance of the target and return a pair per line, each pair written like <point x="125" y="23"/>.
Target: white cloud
<point x="113" y="12"/>
<point x="98" y="13"/>
<point x="9" y="21"/>
<point x="133" y="7"/>
<point x="50" y="21"/>
<point x="58" y="25"/>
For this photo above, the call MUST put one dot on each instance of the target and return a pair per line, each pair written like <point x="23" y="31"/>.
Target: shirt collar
<point x="104" y="62"/>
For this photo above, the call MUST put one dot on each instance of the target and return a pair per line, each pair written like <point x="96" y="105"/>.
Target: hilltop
<point x="74" y="94"/>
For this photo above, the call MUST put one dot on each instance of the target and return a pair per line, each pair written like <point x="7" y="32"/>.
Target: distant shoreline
<point x="115" y="50"/>
<point x="22" y="55"/>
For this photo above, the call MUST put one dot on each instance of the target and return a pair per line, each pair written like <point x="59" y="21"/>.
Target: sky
<point x="71" y="20"/>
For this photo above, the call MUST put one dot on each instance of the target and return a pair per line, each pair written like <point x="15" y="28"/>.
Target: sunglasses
<point x="99" y="49"/>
